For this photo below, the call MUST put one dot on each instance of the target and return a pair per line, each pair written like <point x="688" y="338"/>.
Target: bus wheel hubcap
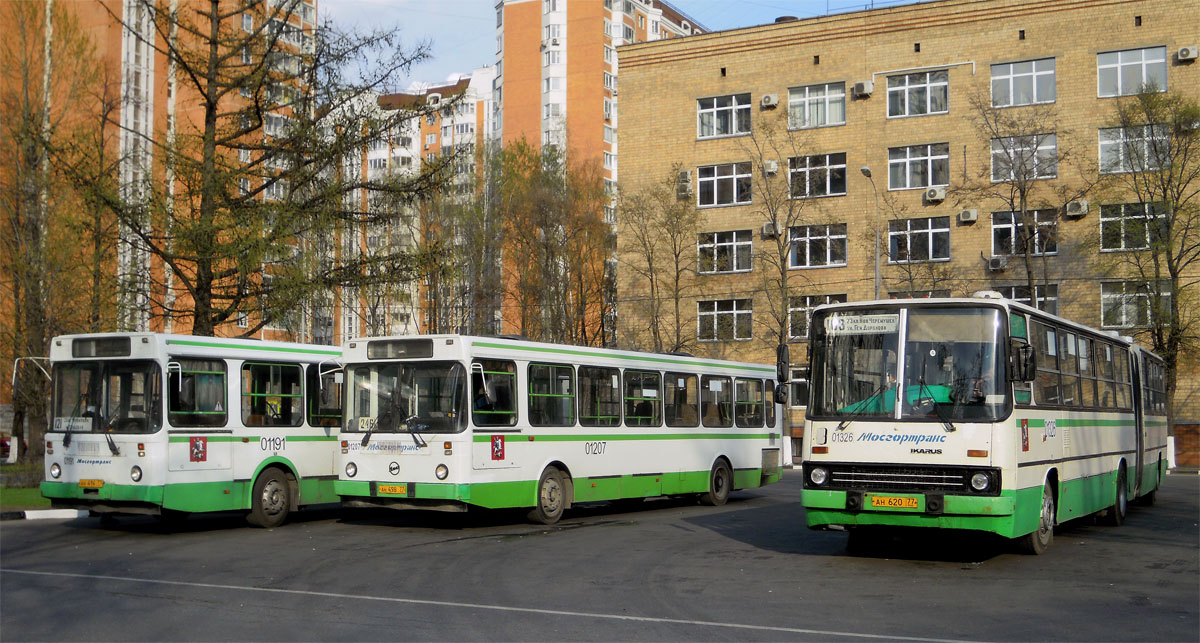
<point x="273" y="497"/>
<point x="551" y="494"/>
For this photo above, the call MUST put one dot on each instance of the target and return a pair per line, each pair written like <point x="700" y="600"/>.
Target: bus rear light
<point x="977" y="453"/>
<point x="819" y="450"/>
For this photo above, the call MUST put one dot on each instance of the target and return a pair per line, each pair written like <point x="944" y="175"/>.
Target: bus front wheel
<point x="551" y="497"/>
<point x="1038" y="541"/>
<point x="271" y="499"/>
<point x="720" y="483"/>
<point x="1115" y="516"/>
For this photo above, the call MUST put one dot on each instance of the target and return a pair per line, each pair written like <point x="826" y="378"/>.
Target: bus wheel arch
<point x="274" y="495"/>
<point x="1115" y="515"/>
<point x="720" y="483"/>
<point x="1039" y="540"/>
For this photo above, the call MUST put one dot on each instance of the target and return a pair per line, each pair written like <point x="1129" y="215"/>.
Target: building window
<point x="628" y="33"/>
<point x="724" y="184"/>
<point x="725" y="319"/>
<point x="820" y="175"/>
<point x="1023" y="83"/>
<point x="1047" y="296"/>
<point x="552" y="83"/>
<point x="551" y="57"/>
<point x="610" y="81"/>
<point x="610" y="161"/>
<point x="1131" y="226"/>
<point x="610" y="134"/>
<point x="726" y="251"/>
<point x="1022" y="158"/>
<point x="608" y="110"/>
<point x="1009" y="236"/>
<point x="817" y="246"/>
<point x="800" y="309"/>
<point x="1134" y="149"/>
<point x="926" y="92"/>
<point x="1128" y="304"/>
<point x="723" y="115"/>
<point x="247" y="22"/>
<point x="549" y="5"/>
<point x="1124" y="73"/>
<point x="799" y="384"/>
<point x="915" y="240"/>
<point x="551" y="110"/>
<point x="431" y="139"/>
<point x="610" y="54"/>
<point x="552" y="31"/>
<point x="817" y="105"/>
<point x="918" y="166"/>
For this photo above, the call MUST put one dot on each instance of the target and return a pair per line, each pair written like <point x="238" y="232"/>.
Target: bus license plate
<point x="396" y="489"/>
<point x="91" y="484"/>
<point x="893" y="502"/>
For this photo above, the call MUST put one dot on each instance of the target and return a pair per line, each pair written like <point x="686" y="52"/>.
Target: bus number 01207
<point x="594" y="448"/>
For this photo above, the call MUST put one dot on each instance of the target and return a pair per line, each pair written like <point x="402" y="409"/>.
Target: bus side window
<point x="324" y="388"/>
<point x="1087" y="373"/>
<point x="769" y="402"/>
<point x="681" y="395"/>
<point x="599" y="396"/>
<point x="196" y="393"/>
<point x="272" y="394"/>
<point x="1047" y="385"/>
<point x="716" y="400"/>
<point x="1104" y="361"/>
<point x="748" y="401"/>
<point x="643" y="401"/>
<point x="493" y="390"/>
<point x="551" y="395"/>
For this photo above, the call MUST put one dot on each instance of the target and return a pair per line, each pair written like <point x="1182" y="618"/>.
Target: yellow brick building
<point x="812" y="106"/>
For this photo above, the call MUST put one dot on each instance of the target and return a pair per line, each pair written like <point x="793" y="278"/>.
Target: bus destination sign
<point x="862" y="324"/>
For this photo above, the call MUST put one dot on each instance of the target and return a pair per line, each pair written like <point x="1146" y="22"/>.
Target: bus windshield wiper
<point x="112" y="445"/>
<point x="860" y="412"/>
<point x="411" y="425"/>
<point x="922" y="387"/>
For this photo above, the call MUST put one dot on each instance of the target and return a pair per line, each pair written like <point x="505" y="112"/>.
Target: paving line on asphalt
<point x="481" y="606"/>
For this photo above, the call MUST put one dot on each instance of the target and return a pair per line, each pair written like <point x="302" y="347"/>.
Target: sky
<point x="463" y="32"/>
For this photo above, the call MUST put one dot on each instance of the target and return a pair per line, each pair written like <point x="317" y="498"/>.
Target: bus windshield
<point x="107" y="396"/>
<point x="949" y="370"/>
<point x="407" y="397"/>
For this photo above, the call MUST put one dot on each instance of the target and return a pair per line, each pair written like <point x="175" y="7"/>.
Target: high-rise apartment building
<point x="868" y="134"/>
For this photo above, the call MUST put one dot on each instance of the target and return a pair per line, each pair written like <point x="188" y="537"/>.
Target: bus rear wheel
<point x="1038" y="541"/>
<point x="1115" y="516"/>
<point x="551" y="497"/>
<point x="271" y="499"/>
<point x="720" y="484"/>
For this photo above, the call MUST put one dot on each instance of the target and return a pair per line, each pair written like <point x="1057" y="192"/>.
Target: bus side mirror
<point x="1024" y="364"/>
<point x="781" y="394"/>
<point x="783" y="363"/>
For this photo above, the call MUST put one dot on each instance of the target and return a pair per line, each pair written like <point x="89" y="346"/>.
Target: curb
<point x="44" y="514"/>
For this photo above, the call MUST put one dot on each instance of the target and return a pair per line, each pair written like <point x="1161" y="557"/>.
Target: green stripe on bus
<point x="1077" y="422"/>
<point x="183" y="439"/>
<point x="639" y="358"/>
<point x="252" y="347"/>
<point x="517" y="437"/>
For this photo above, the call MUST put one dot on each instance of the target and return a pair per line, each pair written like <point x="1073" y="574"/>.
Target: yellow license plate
<point x="91" y="484"/>
<point x="398" y="489"/>
<point x="893" y="502"/>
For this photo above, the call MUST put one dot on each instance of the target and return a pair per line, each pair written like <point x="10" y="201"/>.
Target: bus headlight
<point x="441" y="472"/>
<point x="351" y="470"/>
<point x="135" y="473"/>
<point x="980" y="481"/>
<point x="818" y="475"/>
<point x="55" y="470"/>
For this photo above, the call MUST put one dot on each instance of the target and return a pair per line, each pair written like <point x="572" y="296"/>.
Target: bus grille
<point x="895" y="478"/>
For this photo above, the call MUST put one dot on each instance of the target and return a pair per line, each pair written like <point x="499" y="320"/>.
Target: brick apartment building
<point x="870" y="120"/>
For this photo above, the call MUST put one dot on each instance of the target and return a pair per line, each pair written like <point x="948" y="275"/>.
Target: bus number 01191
<point x="277" y="443"/>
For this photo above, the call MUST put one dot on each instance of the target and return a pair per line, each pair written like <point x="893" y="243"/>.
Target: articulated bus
<point x="444" y="422"/>
<point x="148" y="423"/>
<point x="979" y="414"/>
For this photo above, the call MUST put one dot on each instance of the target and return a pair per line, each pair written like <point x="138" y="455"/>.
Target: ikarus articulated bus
<point x="149" y="423"/>
<point x="445" y="422"/>
<point x="976" y="413"/>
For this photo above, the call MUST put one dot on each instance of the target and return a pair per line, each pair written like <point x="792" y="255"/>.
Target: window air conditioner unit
<point x="769" y="100"/>
<point x="770" y="167"/>
<point x="770" y="230"/>
<point x="997" y="264"/>
<point x="554" y="42"/>
<point x="970" y="215"/>
<point x="935" y="194"/>
<point x="863" y="88"/>
<point x="1075" y="209"/>
<point x="683" y="187"/>
<point x="1187" y="53"/>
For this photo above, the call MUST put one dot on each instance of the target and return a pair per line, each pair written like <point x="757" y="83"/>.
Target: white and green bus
<point x="445" y="422"/>
<point x="148" y="423"/>
<point x="976" y="413"/>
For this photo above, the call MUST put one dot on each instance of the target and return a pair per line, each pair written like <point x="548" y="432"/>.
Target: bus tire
<point x="1150" y="497"/>
<point x="271" y="499"/>
<point x="720" y="484"/>
<point x="1115" y="516"/>
<point x="551" y="497"/>
<point x="1039" y="540"/>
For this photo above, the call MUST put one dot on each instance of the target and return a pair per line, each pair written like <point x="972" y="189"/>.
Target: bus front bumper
<point x="824" y="509"/>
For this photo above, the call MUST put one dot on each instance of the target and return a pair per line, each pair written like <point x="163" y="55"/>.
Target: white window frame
<point x="1136" y="148"/>
<point x="1012" y="156"/>
<point x="1047" y="295"/>
<point x="1014" y="75"/>
<point x="1128" y="299"/>
<point x="1148" y="215"/>
<point x="247" y="23"/>
<point x="820" y="165"/>
<point x="1046" y="233"/>
<point x="803" y="101"/>
<point x="829" y="236"/>
<point x="739" y="313"/>
<point x="926" y="154"/>
<point x="907" y="86"/>
<point x="737" y="110"/>
<point x="1117" y="63"/>
<point x="909" y="233"/>
<point x="734" y="177"/>
<point x="551" y="57"/>
<point x="804" y="305"/>
<point x="712" y="247"/>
